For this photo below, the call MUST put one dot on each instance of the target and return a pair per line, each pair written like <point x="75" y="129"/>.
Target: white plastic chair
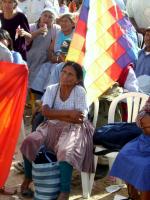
<point x="88" y="178"/>
<point x="135" y="101"/>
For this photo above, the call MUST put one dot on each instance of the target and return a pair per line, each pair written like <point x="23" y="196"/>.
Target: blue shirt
<point x="143" y="64"/>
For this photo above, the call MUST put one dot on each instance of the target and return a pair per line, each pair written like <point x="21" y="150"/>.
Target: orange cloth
<point x="72" y="7"/>
<point x="13" y="89"/>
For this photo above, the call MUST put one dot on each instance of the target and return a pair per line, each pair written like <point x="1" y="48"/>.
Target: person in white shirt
<point x="32" y="8"/>
<point x="139" y="13"/>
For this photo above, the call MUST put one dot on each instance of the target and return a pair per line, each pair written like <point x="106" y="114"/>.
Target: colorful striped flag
<point x="103" y="44"/>
<point x="13" y="89"/>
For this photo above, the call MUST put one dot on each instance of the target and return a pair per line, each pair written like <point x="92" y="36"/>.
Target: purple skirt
<point x="133" y="163"/>
<point x="71" y="142"/>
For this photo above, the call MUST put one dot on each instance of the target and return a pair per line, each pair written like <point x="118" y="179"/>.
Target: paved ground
<point x="98" y="192"/>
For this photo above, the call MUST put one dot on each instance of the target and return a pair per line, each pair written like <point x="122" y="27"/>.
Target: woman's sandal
<point x="8" y="191"/>
<point x="28" y="193"/>
<point x="25" y="190"/>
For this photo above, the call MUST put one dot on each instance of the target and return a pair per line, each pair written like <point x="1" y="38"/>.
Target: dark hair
<point x="78" y="70"/>
<point x="16" y="3"/>
<point x="69" y="16"/>
<point x="4" y="35"/>
<point x="62" y="1"/>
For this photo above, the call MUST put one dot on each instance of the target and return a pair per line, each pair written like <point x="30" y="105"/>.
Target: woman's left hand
<point x="62" y="57"/>
<point x="77" y="116"/>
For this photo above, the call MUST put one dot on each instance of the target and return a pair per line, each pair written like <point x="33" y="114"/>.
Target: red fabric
<point x="13" y="89"/>
<point x="72" y="7"/>
<point x="124" y="74"/>
<point x="121" y="81"/>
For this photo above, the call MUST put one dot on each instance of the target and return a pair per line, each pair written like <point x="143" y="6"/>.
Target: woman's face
<point x="8" y="5"/>
<point x="46" y="18"/>
<point x="68" y="76"/>
<point x="5" y="42"/>
<point x="66" y="25"/>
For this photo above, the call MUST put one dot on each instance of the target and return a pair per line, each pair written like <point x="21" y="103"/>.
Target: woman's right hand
<point x="43" y="30"/>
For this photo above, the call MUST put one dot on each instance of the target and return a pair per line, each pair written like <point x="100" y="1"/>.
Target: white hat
<point x="51" y="10"/>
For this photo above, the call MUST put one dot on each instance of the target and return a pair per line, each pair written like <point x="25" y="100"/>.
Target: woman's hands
<point x="56" y="58"/>
<point x="62" y="57"/>
<point x="43" y="30"/>
<point x="22" y="33"/>
<point x="77" y="116"/>
<point x="145" y="124"/>
<point x="72" y="116"/>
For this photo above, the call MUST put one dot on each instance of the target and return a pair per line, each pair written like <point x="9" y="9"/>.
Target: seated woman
<point x="43" y="76"/>
<point x="43" y="32"/>
<point x="5" y="54"/>
<point x="67" y="131"/>
<point x="132" y="163"/>
<point x="6" y="49"/>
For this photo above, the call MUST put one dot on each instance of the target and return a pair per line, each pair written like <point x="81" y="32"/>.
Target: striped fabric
<point x="46" y="178"/>
<point x="103" y="43"/>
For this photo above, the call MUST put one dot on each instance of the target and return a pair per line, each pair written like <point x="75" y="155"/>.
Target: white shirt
<point x="131" y="83"/>
<point x="140" y="11"/>
<point x="76" y="101"/>
<point x="33" y="8"/>
<point x="63" y="9"/>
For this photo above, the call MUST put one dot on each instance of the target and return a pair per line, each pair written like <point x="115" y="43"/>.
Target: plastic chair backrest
<point x="135" y="101"/>
<point x="96" y="109"/>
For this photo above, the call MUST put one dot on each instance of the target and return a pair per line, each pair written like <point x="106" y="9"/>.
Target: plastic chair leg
<point x="85" y="177"/>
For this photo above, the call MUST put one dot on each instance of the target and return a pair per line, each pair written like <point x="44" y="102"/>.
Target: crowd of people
<point x="39" y="35"/>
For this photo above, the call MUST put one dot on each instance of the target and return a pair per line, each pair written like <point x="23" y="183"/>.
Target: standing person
<point x="67" y="132"/>
<point x="44" y="33"/>
<point x="63" y="8"/>
<point x="32" y="8"/>
<point x="16" y="24"/>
